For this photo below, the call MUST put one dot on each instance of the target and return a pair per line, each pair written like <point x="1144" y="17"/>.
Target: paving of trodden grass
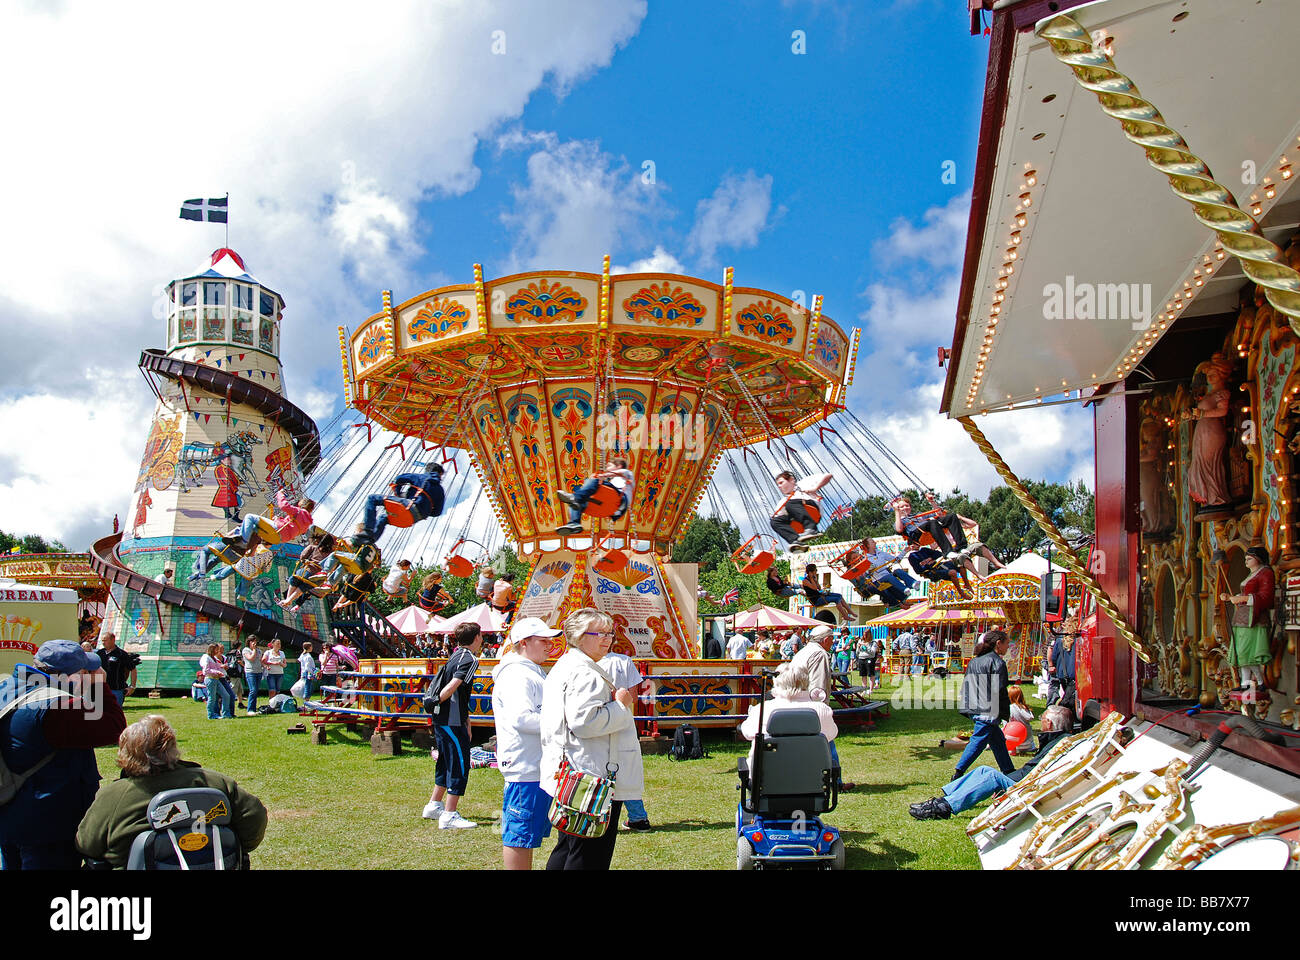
<point x="336" y="806"/>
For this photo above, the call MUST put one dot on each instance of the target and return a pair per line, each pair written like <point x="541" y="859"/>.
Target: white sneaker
<point x="433" y="810"/>
<point x="452" y="820"/>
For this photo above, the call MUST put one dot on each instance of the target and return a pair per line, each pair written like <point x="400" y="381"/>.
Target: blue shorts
<point x="524" y="815"/>
<point x="452" y="768"/>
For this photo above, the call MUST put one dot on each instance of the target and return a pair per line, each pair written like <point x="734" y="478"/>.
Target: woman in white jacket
<point x="583" y="717"/>
<point x="517" y="710"/>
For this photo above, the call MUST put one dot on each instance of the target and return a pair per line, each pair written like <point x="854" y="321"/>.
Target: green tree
<point x="29" y="543"/>
<point x="708" y="541"/>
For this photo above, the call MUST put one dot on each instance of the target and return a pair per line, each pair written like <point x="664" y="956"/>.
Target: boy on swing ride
<point x="947" y="528"/>
<point x="794" y="508"/>
<point x="615" y="475"/>
<point x="420" y="493"/>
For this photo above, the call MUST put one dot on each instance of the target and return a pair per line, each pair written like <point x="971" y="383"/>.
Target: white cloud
<point x="733" y="217"/>
<point x="661" y="261"/>
<point x="577" y="204"/>
<point x="939" y="243"/>
<point x="70" y="463"/>
<point x="327" y="130"/>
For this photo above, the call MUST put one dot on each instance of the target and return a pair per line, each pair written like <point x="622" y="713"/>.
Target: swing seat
<point x="754" y="555"/>
<point x="399" y="514"/>
<point x="308" y="582"/>
<point x="814" y="514"/>
<point x="459" y="566"/>
<point x="611" y="561"/>
<point x="267" y="532"/>
<point x="352" y="593"/>
<point x="252" y="567"/>
<point x="927" y="539"/>
<point x="604" y="503"/>
<point x="362" y="561"/>
<point x="436" y="605"/>
<point x="225" y="552"/>
<point x="853" y="563"/>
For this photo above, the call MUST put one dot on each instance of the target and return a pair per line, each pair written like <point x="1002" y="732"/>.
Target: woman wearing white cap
<point x="517" y="709"/>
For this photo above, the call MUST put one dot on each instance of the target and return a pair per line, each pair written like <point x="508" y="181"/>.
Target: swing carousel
<point x="540" y="377"/>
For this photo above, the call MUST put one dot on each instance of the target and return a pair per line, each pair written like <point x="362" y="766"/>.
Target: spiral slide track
<point x="236" y="389"/>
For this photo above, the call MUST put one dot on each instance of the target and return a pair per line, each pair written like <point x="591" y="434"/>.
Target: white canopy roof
<point x="1099" y="222"/>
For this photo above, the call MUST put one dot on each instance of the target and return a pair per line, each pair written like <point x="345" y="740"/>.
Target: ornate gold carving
<point x="1166" y="150"/>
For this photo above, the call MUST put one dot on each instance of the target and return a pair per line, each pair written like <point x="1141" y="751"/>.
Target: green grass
<point x="336" y="806"/>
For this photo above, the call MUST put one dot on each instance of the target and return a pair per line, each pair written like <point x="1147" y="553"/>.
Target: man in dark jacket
<point x="1060" y="666"/>
<point x="65" y="712"/>
<point x="983" y="782"/>
<point x="984" y="699"/>
<point x="420" y="493"/>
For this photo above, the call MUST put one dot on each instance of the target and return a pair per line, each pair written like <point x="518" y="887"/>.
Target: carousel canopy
<point x="1080" y="259"/>
<point x="413" y="620"/>
<point x="923" y="613"/>
<point x="488" y="620"/>
<point x="767" y="617"/>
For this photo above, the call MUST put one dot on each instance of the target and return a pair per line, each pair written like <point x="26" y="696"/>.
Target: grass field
<point x="336" y="806"/>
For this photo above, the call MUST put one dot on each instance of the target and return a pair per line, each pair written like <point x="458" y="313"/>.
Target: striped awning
<point x="923" y="613"/>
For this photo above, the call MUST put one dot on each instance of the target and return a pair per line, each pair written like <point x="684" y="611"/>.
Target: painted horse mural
<point x="195" y="458"/>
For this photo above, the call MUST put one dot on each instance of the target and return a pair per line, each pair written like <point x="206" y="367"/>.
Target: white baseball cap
<point x="820" y="633"/>
<point x="530" y="627"/>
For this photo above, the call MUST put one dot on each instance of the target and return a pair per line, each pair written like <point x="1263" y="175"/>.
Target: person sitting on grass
<point x="983" y="782"/>
<point x="616" y="476"/>
<point x="822" y="598"/>
<point x="420" y="493"/>
<point x="1020" y="711"/>
<point x="151" y="763"/>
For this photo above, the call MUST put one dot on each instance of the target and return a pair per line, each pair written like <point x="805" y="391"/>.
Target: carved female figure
<point x="1249" y="650"/>
<point x="1207" y="480"/>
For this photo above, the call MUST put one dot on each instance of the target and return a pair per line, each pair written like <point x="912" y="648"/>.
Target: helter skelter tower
<point x="222" y="440"/>
<point x="539" y="375"/>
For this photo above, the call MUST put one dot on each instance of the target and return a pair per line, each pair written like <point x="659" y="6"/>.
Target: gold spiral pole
<point x="1189" y="176"/>
<point x="1067" y="555"/>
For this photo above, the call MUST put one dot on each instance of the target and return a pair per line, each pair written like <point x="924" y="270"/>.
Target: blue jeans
<point x="375" y="524"/>
<point x="248" y="526"/>
<point x="835" y="766"/>
<point x="635" y="810"/>
<point x="974" y="786"/>
<point x="254" y="681"/>
<point x="61" y="855"/>
<point x="221" y="698"/>
<point x="986" y="734"/>
<point x="119" y="696"/>
<point x="273" y="683"/>
<point x="585" y="493"/>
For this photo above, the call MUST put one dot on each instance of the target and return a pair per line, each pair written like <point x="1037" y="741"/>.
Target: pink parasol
<point x="413" y="620"/>
<point x="488" y="620"/>
<point x="763" y="617"/>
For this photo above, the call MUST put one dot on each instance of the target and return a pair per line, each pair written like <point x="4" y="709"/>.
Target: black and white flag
<point x="213" y="210"/>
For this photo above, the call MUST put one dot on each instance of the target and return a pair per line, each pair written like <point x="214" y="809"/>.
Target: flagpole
<point x="227" y="244"/>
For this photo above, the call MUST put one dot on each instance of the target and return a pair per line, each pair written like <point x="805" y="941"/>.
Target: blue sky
<point x="392" y="150"/>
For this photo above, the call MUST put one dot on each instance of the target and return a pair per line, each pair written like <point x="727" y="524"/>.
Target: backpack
<point x="687" y="744"/>
<point x="10" y="782"/>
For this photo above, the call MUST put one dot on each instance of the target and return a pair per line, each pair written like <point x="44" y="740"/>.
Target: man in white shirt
<point x="737" y="646"/>
<point x="168" y="577"/>
<point x="815" y="657"/>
